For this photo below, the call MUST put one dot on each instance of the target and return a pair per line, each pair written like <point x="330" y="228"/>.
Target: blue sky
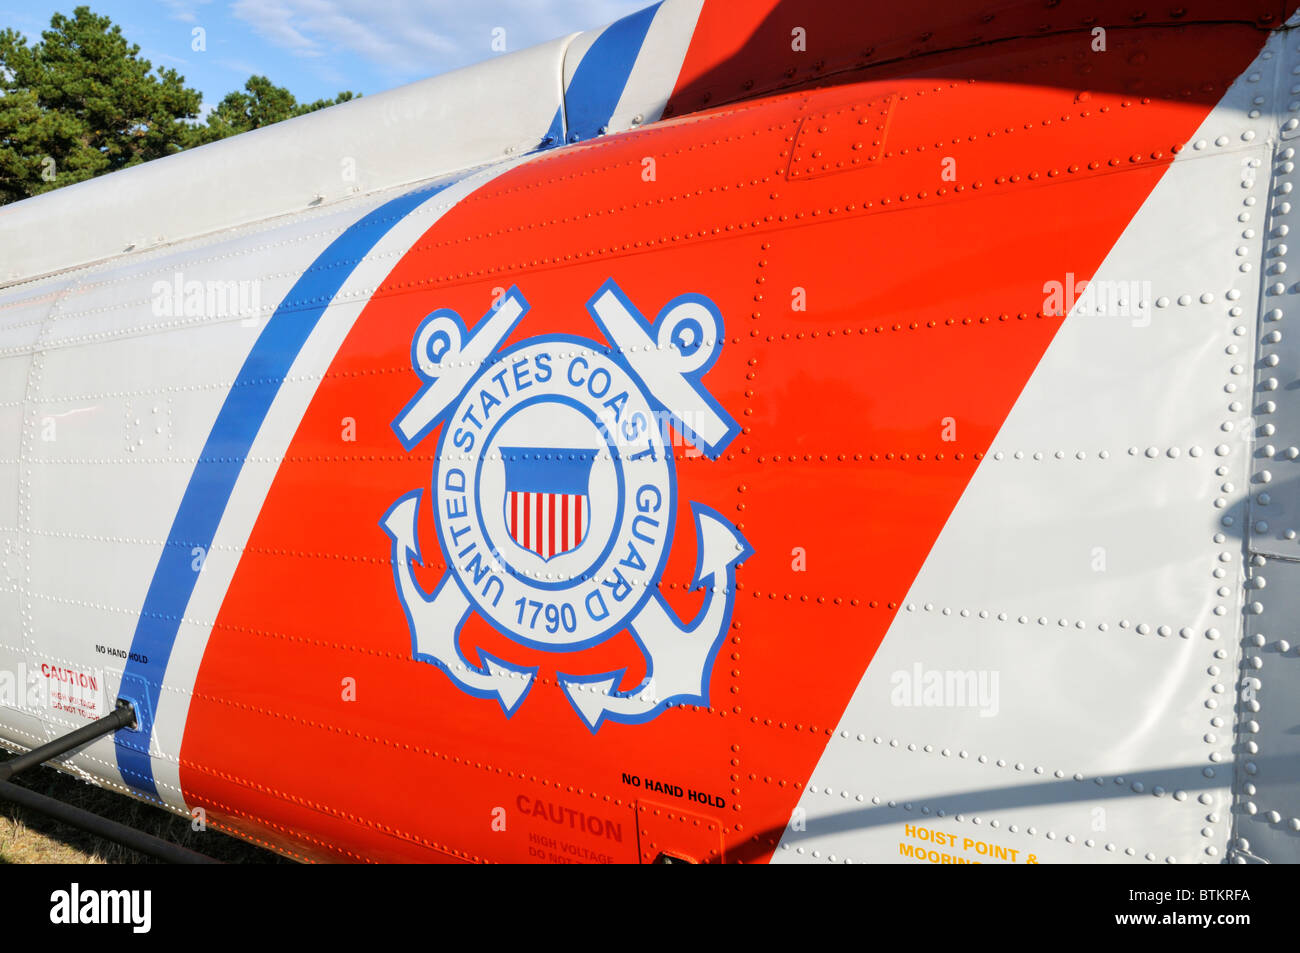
<point x="318" y="47"/>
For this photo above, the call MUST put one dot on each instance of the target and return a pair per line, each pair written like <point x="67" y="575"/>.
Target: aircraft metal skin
<point x="823" y="440"/>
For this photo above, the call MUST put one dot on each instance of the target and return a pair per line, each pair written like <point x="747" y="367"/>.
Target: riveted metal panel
<point x="842" y="139"/>
<point x="683" y="835"/>
<point x="1267" y="804"/>
<point x="1266" y="818"/>
<point x="1091" y="575"/>
<point x="1275" y="472"/>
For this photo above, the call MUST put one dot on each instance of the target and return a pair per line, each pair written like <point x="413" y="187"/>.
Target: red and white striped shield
<point x="547" y="503"/>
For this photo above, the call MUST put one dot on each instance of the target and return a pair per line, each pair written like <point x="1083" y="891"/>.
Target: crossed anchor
<point x="679" y="656"/>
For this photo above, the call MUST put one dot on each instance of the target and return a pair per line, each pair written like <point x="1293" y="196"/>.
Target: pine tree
<point x="81" y="102"/>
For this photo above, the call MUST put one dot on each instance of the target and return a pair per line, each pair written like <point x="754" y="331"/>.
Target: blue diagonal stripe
<point x="601" y="77"/>
<point x="219" y="465"/>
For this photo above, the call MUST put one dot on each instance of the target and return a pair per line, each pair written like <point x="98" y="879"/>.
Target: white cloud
<point x="410" y="39"/>
<point x="273" y="21"/>
<point x="184" y="10"/>
<point x="242" y="67"/>
<point x="156" y="56"/>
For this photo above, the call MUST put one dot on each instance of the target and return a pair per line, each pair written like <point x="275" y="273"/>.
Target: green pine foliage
<point x="260" y="103"/>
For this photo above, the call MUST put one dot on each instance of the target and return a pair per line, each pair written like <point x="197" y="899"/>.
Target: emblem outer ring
<point x="569" y="347"/>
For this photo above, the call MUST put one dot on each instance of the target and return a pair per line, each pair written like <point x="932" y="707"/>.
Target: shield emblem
<point x="548" y="500"/>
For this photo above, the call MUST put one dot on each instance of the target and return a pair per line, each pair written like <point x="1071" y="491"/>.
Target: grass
<point x="28" y="837"/>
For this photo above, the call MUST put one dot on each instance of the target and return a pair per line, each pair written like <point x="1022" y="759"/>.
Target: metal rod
<point x="122" y="716"/>
<point x="102" y="827"/>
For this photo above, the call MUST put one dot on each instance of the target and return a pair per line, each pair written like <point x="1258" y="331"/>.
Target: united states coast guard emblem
<point x="554" y="495"/>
